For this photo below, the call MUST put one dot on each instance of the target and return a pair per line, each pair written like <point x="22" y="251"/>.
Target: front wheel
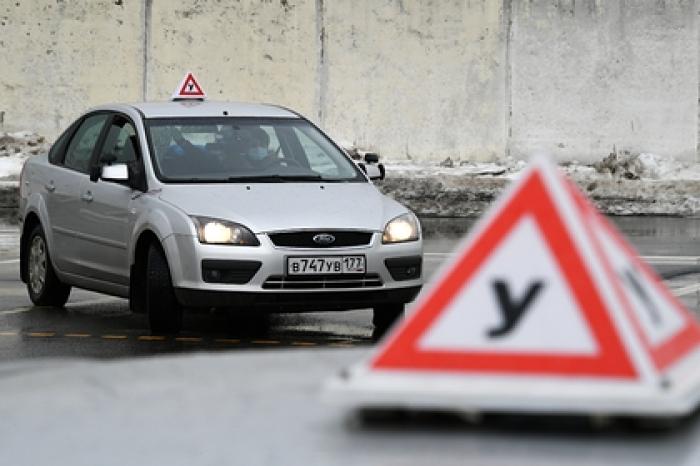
<point x="164" y="311"/>
<point x="384" y="316"/>
<point x="44" y="287"/>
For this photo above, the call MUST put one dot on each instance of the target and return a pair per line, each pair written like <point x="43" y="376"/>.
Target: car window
<point x="318" y="158"/>
<point x="246" y="149"/>
<point x="121" y="144"/>
<point x="83" y="143"/>
<point x="58" y="148"/>
<point x="274" y="145"/>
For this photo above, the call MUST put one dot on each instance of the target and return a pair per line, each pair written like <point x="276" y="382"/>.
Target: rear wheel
<point x="164" y="311"/>
<point x="384" y="316"/>
<point x="45" y="289"/>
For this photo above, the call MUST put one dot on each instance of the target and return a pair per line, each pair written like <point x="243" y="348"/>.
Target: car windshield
<point x="233" y="150"/>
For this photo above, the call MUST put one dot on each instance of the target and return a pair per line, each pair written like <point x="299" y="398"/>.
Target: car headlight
<point x="401" y="229"/>
<point x="215" y="231"/>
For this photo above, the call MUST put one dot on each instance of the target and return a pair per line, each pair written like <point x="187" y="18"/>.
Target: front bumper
<point x="188" y="260"/>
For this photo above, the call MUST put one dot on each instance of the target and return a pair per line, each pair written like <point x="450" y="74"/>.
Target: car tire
<point x="164" y="311"/>
<point x="384" y="316"/>
<point x="44" y="287"/>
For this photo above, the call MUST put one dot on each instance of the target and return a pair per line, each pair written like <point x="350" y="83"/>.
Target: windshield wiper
<point x="274" y="178"/>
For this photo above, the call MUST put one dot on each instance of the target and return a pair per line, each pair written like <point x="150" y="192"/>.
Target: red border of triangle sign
<point x="189" y="88"/>
<point x="603" y="304"/>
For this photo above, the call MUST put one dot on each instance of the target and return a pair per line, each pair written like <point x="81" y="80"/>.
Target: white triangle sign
<point x="543" y="308"/>
<point x="507" y="277"/>
<point x="189" y="88"/>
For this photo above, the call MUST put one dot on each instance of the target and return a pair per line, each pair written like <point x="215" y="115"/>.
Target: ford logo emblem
<point x="324" y="239"/>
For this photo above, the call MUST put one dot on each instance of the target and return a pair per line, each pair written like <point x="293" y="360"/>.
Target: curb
<point x="463" y="196"/>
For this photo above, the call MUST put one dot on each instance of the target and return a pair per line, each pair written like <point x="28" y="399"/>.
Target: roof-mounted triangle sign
<point x="544" y="307"/>
<point x="189" y="88"/>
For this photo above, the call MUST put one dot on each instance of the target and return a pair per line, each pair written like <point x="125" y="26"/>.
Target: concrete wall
<point x="416" y="78"/>
<point x="59" y="57"/>
<point x="590" y="76"/>
<point x="420" y="79"/>
<point x="259" y="51"/>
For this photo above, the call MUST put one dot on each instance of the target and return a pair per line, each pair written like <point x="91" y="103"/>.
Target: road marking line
<point x="77" y="335"/>
<point x="340" y="345"/>
<point x="15" y="311"/>
<point x="265" y="342"/>
<point x="189" y="339"/>
<point x="151" y="338"/>
<point x="672" y="259"/>
<point x="303" y="343"/>
<point x="9" y="261"/>
<point x="41" y="334"/>
<point x="114" y="337"/>
<point x="227" y="340"/>
<point x="686" y="290"/>
<point x="9" y="334"/>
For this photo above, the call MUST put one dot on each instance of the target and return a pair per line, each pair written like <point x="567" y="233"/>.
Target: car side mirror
<point x="137" y="176"/>
<point x="373" y="172"/>
<point x="371" y="157"/>
<point x="118" y="172"/>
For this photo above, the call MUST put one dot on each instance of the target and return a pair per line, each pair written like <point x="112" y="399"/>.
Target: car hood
<point x="266" y="207"/>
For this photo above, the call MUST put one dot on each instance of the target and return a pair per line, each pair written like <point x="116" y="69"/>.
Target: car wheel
<point x="164" y="311"/>
<point x="384" y="316"/>
<point x="45" y="289"/>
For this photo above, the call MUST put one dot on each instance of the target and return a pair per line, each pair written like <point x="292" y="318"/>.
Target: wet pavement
<point x="233" y="394"/>
<point x="95" y="325"/>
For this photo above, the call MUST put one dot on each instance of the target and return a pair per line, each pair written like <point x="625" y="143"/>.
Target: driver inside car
<point x="258" y="154"/>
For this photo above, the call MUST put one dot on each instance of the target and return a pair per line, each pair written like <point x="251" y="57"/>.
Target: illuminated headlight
<point x="401" y="229"/>
<point x="215" y="231"/>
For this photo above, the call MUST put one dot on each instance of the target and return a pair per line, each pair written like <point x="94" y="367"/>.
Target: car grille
<point x="281" y="282"/>
<point x="305" y="239"/>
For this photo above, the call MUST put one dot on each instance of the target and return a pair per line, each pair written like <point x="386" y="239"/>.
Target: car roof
<point x="206" y="108"/>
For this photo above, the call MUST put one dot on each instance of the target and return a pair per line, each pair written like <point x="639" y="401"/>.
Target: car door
<point x="63" y="193"/>
<point x="105" y="216"/>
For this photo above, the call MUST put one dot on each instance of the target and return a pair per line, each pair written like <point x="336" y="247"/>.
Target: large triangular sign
<point x="543" y="308"/>
<point x="189" y="88"/>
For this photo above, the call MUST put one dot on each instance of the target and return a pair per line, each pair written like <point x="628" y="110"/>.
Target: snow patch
<point x="644" y="166"/>
<point x="16" y="148"/>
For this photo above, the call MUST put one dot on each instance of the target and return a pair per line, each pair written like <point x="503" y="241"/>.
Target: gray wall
<point x="420" y="79"/>
<point x="587" y="76"/>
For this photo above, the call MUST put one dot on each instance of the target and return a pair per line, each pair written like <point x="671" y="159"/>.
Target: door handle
<point x="50" y="187"/>
<point x="86" y="196"/>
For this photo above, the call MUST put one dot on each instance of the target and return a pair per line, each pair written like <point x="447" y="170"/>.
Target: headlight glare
<point x="401" y="229"/>
<point x="215" y="231"/>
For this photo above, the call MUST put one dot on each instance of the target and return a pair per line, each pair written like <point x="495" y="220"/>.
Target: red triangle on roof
<point x="189" y="88"/>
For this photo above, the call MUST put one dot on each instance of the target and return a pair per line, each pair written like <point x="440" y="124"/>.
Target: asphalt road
<point x="94" y="325"/>
<point x="251" y="404"/>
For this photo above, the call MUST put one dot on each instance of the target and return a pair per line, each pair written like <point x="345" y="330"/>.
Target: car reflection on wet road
<point x="95" y="325"/>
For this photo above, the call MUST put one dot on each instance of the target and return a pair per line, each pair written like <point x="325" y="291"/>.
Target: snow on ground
<point x="15" y="148"/>
<point x="642" y="167"/>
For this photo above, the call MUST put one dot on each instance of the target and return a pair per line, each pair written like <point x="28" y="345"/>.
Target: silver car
<point x="210" y="204"/>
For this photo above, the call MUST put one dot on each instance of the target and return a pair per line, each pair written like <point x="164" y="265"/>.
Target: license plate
<point x="329" y="265"/>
